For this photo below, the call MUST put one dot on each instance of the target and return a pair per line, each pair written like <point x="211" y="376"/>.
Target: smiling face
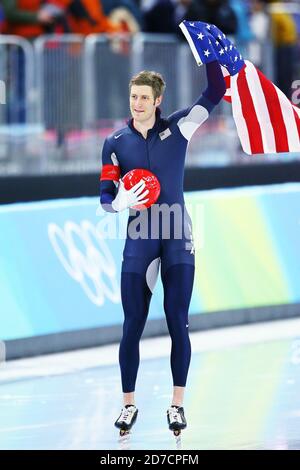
<point x="142" y="103"/>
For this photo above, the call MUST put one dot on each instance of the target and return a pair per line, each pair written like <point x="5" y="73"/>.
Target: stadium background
<point x="64" y="93"/>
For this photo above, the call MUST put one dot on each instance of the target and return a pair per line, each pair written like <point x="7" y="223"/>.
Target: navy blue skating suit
<point x="162" y="152"/>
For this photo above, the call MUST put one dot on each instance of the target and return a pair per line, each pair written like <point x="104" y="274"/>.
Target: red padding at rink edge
<point x="110" y="172"/>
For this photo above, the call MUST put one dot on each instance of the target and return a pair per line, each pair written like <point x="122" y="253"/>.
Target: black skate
<point x="176" y="419"/>
<point x="126" y="419"/>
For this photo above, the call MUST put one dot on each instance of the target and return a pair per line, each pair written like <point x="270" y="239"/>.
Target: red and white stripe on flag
<point x="266" y="120"/>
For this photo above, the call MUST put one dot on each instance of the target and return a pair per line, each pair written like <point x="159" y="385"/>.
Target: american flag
<point x="208" y="43"/>
<point x="266" y="120"/>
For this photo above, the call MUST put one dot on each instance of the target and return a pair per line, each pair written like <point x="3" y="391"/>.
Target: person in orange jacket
<point x="31" y="18"/>
<point x="87" y="17"/>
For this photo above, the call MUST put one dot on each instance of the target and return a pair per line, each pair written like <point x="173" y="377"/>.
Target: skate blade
<point x="178" y="442"/>
<point x="124" y="440"/>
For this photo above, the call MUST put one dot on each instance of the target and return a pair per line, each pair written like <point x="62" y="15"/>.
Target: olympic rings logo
<point x="86" y="257"/>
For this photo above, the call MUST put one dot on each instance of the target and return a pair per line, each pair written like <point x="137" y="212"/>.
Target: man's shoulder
<point x="173" y="118"/>
<point x="203" y="106"/>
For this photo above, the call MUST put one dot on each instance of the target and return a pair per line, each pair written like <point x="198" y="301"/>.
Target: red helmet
<point x="152" y="184"/>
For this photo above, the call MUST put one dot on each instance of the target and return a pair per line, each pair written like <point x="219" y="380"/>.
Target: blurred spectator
<point x="126" y="11"/>
<point x="241" y="9"/>
<point x="164" y="16"/>
<point x="260" y="27"/>
<point x="31" y="18"/>
<point x="220" y="13"/>
<point x="259" y="20"/>
<point x="87" y="17"/>
<point x="160" y="17"/>
<point x="284" y="34"/>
